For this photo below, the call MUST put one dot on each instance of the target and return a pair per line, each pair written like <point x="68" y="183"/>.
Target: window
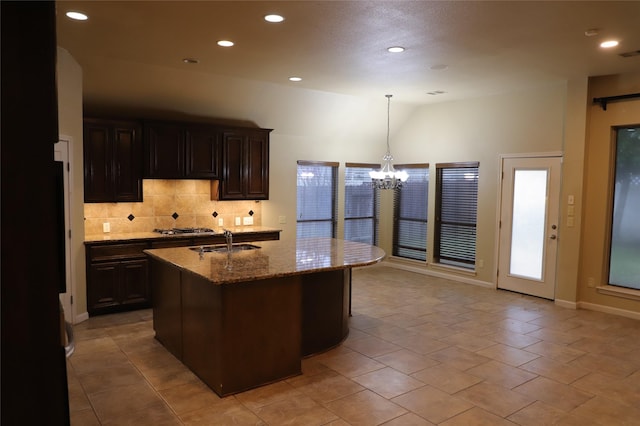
<point x="410" y="213"/>
<point x="316" y="199"/>
<point x="624" y="268"/>
<point x="456" y="214"/>
<point x="361" y="204"/>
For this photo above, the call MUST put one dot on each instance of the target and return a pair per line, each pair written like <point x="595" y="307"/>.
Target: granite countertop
<point x="272" y="259"/>
<point x="131" y="236"/>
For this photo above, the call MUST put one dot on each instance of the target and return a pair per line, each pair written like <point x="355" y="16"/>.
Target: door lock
<point x="553" y="226"/>
<point x="553" y="237"/>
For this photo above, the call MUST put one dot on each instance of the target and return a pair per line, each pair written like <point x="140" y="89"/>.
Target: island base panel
<point x="240" y="336"/>
<point x="167" y="309"/>
<point x="325" y="310"/>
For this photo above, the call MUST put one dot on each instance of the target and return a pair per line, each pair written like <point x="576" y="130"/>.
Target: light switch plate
<point x="237" y="221"/>
<point x="106" y="227"/>
<point x="220" y="222"/>
<point x="247" y="220"/>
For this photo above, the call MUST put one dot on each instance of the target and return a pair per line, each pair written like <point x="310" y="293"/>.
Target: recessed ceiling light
<point x="295" y="78"/>
<point x="591" y="32"/>
<point x="191" y="61"/>
<point x="609" y="43"/>
<point x="436" y="92"/>
<point x="396" y="49"/>
<point x="274" y="18"/>
<point x="78" y="16"/>
<point x="225" y="43"/>
<point x="439" y="67"/>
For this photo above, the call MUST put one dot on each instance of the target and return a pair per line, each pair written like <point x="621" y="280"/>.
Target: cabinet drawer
<point x="170" y="242"/>
<point x="117" y="251"/>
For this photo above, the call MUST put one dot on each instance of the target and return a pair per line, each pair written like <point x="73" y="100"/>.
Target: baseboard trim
<point x="609" y="310"/>
<point x="423" y="271"/>
<point x="566" y="304"/>
<point x="80" y="318"/>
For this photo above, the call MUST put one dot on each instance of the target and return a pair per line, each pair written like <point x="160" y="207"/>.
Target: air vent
<point x="630" y="54"/>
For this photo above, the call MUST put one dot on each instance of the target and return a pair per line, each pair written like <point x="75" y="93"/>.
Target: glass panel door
<point x="527" y="229"/>
<point x="529" y="215"/>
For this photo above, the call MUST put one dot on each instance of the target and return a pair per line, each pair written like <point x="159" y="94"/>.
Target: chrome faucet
<point x="229" y="236"/>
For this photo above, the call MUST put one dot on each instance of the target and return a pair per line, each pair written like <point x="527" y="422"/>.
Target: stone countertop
<point x="132" y="236"/>
<point x="272" y="259"/>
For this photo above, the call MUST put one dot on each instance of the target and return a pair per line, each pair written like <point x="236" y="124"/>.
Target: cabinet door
<point x="134" y="282"/>
<point x="127" y="147"/>
<point x="202" y="152"/>
<point x="257" y="168"/>
<point x="232" y="186"/>
<point x="164" y="150"/>
<point x="98" y="163"/>
<point x="102" y="292"/>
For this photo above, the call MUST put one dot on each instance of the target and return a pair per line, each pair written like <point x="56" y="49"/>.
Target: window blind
<point x="456" y="214"/>
<point x="410" y="206"/>
<point x="316" y="199"/>
<point x="361" y="204"/>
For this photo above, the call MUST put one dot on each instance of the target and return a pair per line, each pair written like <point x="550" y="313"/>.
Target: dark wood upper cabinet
<point x="181" y="151"/>
<point x="112" y="161"/>
<point x="119" y="154"/>
<point x="164" y="148"/>
<point x="202" y="152"/>
<point x="245" y="165"/>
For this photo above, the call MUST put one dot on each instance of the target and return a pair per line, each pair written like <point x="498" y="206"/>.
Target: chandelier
<point x="387" y="177"/>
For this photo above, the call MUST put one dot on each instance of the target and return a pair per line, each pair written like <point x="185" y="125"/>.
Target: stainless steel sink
<point x="224" y="249"/>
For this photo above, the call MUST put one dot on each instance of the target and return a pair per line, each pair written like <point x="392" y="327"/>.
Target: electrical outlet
<point x="237" y="221"/>
<point x="591" y="282"/>
<point x="481" y="263"/>
<point x="247" y="220"/>
<point x="282" y="219"/>
<point x="106" y="227"/>
<point x="220" y="222"/>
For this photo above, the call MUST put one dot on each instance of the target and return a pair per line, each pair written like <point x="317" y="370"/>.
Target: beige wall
<point x="190" y="199"/>
<point x="599" y="163"/>
<point x="530" y="121"/>
<point x="69" y="80"/>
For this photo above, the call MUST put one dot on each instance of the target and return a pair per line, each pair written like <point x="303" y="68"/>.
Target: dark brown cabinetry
<point x="112" y="161"/>
<point x="181" y="151"/>
<point x="245" y="171"/>
<point x="202" y="145"/>
<point x="164" y="150"/>
<point x="119" y="278"/>
<point x="118" y="272"/>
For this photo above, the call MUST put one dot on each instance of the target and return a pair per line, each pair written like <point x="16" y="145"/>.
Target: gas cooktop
<point x="173" y="231"/>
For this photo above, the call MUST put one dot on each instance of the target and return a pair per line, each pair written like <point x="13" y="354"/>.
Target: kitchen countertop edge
<point x="133" y="236"/>
<point x="285" y="260"/>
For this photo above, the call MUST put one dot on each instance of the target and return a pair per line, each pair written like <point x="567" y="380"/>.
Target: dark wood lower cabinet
<point x="118" y="272"/>
<point x="118" y="286"/>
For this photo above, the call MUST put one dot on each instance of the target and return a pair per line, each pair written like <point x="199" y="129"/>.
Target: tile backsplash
<point x="189" y="201"/>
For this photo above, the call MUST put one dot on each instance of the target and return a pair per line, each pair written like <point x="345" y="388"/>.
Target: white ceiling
<point x="340" y="46"/>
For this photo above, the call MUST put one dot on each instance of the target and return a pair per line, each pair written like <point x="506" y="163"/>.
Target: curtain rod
<point x="604" y="100"/>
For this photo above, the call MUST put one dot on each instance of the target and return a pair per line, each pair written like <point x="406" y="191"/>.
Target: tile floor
<point x="421" y="351"/>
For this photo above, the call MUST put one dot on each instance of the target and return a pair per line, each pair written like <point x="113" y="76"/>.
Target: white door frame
<point x="67" y="299"/>
<point x="502" y="157"/>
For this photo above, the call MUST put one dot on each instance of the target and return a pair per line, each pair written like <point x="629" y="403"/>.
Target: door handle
<point x="553" y="237"/>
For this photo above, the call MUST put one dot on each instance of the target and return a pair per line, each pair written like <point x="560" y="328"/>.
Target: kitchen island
<point x="246" y="318"/>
